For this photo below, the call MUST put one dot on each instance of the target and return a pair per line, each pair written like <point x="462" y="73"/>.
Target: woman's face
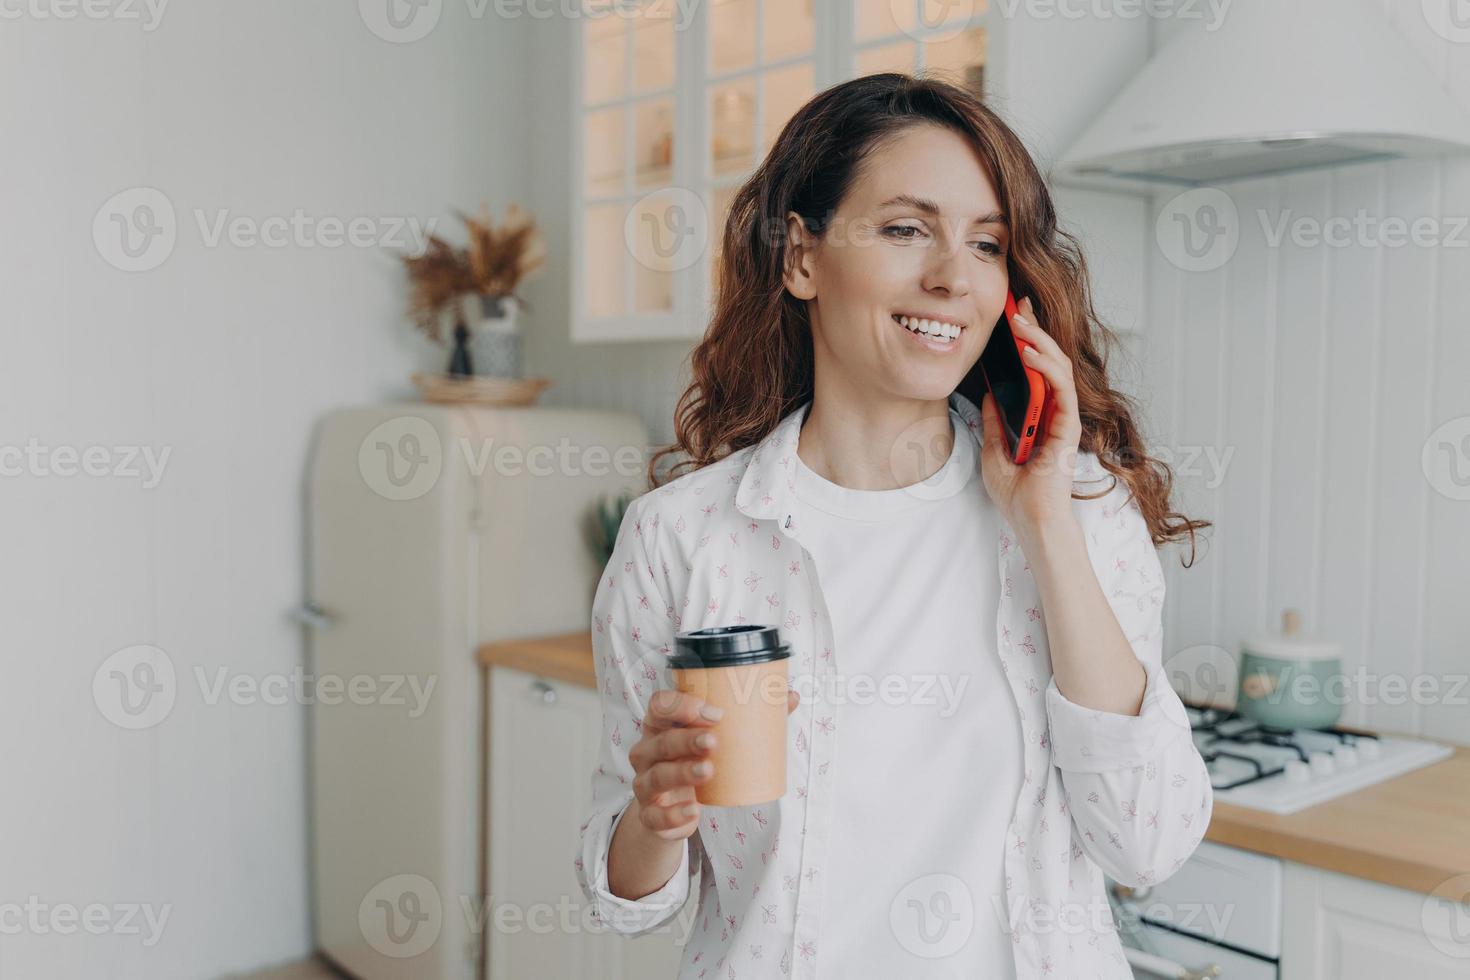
<point x="919" y="235"/>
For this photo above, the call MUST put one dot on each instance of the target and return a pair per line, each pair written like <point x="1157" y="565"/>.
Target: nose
<point x="948" y="271"/>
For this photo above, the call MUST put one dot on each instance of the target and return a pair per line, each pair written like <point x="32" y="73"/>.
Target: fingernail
<point x="691" y="810"/>
<point x="703" y="769"/>
<point x="1030" y="352"/>
<point x="712" y="713"/>
<point x="704" y="741"/>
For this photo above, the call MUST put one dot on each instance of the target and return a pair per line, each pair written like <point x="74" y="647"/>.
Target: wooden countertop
<point x="1411" y="832"/>
<point x="566" y="657"/>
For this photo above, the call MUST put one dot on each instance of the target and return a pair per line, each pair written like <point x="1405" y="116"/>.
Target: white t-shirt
<point x="926" y="728"/>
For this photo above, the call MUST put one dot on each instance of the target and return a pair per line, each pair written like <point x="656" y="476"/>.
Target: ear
<point x="799" y="272"/>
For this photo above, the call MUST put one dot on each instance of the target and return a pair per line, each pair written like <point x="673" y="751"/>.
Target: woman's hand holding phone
<point x="666" y="759"/>
<point x="1035" y="494"/>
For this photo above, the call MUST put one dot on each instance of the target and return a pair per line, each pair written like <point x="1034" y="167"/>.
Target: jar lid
<point x="1290" y="644"/>
<point x="727" y="646"/>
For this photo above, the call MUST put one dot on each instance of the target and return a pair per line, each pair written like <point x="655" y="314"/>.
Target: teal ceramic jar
<point x="1287" y="681"/>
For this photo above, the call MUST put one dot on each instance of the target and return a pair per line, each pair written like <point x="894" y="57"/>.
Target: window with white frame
<point x="672" y="116"/>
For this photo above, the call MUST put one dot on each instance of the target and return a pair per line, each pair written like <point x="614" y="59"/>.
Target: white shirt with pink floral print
<point x="1101" y="791"/>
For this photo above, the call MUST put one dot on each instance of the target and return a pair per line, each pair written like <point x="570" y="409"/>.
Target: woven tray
<point x="479" y="390"/>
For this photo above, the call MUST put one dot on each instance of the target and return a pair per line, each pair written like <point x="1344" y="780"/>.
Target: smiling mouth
<point x="935" y="330"/>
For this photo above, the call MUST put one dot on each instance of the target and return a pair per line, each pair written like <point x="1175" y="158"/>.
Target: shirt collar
<point x="768" y="486"/>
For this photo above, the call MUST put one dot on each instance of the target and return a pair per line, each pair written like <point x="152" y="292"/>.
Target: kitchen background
<point x="1316" y="396"/>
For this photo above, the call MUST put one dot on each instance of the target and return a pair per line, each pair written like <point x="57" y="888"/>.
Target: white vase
<point x="497" y="347"/>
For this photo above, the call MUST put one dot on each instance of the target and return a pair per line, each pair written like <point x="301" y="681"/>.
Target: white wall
<point x="223" y="357"/>
<point x="1324" y="371"/>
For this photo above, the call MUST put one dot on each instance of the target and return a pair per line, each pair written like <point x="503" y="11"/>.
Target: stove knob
<point x="1368" y="749"/>
<point x="1322" y="764"/>
<point x="1298" y="771"/>
<point x="1345" y="755"/>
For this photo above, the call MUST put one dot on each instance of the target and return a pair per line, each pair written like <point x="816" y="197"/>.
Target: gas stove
<point x="1286" y="770"/>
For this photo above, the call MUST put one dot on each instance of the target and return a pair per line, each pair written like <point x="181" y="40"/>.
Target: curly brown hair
<point x="755" y="362"/>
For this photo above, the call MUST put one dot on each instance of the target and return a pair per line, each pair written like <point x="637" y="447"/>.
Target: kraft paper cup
<point x="744" y="670"/>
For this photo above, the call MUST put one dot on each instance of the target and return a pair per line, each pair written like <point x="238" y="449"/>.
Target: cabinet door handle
<point x="1159" y="966"/>
<point x="312" y="615"/>
<point x="544" y="691"/>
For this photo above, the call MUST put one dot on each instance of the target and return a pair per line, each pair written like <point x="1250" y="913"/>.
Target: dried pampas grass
<point x="494" y="263"/>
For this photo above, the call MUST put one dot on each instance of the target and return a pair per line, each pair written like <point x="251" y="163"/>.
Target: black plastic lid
<point x="727" y="646"/>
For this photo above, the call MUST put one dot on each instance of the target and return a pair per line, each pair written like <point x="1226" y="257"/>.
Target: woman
<point x="1025" y="740"/>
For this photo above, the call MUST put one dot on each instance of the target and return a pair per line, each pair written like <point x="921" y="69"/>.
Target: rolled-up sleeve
<point x="1137" y="790"/>
<point x="632" y="636"/>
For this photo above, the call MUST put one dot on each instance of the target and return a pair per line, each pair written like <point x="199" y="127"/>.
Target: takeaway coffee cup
<point x="742" y="669"/>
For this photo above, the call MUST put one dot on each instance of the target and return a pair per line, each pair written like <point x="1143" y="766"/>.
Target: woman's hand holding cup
<point x="678" y="736"/>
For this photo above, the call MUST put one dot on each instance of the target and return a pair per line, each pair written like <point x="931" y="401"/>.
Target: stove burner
<point x="1210" y="720"/>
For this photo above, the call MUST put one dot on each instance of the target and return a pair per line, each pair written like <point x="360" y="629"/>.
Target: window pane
<point x="732" y="119"/>
<point x="663" y="236"/>
<point x="880" y="18"/>
<point x="602" y="149"/>
<point x="888" y="57"/>
<point x="653" y="49"/>
<point x="654" y="291"/>
<point x="604" y="60"/>
<point x="732" y="35"/>
<point x="653" y="145"/>
<point x="603" y="259"/>
<point x="788" y="29"/>
<point x="787" y="89"/>
<point x="960" y="59"/>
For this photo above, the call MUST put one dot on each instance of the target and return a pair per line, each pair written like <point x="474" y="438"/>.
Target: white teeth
<point x="945" y="331"/>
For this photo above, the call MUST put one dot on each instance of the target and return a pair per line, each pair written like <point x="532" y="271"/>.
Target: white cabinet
<point x="1342" y="928"/>
<point x="543" y="740"/>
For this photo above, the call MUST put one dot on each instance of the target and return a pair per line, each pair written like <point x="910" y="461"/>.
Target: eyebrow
<point x="929" y="207"/>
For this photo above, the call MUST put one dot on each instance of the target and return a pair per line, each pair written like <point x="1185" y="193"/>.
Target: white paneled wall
<point x="1319" y="371"/>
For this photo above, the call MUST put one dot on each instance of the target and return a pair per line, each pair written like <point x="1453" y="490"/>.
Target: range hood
<point x="1277" y="86"/>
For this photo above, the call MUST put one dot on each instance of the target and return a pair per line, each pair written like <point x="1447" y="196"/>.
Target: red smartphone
<point x="1020" y="392"/>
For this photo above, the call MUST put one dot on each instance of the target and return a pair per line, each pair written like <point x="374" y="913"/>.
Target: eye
<point x="890" y="229"/>
<point x="992" y="246"/>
